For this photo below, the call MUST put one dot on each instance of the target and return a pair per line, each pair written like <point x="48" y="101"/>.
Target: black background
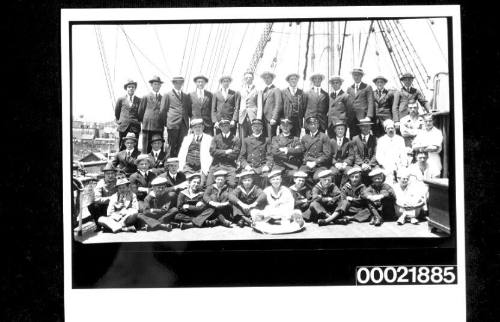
<point x="31" y="207"/>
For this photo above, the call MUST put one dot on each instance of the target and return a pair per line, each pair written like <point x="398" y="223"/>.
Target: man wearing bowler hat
<point x="365" y="146"/>
<point x="317" y="150"/>
<point x="343" y="154"/>
<point x="201" y="104"/>
<point x="360" y="102"/>
<point x="157" y="154"/>
<point x="177" y="105"/>
<point x="271" y="104"/>
<point x="152" y="114"/>
<point x="127" y="113"/>
<point x="317" y="102"/>
<point x="225" y="105"/>
<point x="408" y="94"/>
<point x="294" y="105"/>
<point x="385" y="103"/>
<point x="124" y="160"/>
<point x="338" y="104"/>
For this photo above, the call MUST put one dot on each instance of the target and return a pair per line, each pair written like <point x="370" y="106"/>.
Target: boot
<point x="224" y="222"/>
<point x="211" y="223"/>
<point x="186" y="225"/>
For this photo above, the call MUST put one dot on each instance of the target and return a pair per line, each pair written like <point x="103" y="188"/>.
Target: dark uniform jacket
<point x="271" y="103"/>
<point x="128" y="115"/>
<point x="293" y="159"/>
<point x="159" y="163"/>
<point x="179" y="178"/>
<point x="317" y="148"/>
<point x="365" y="152"/>
<point x="254" y="151"/>
<point x="202" y="109"/>
<point x="317" y="106"/>
<point x="159" y="201"/>
<point x="386" y="204"/>
<point x="191" y="200"/>
<point x="358" y="203"/>
<point x="405" y="97"/>
<point x="124" y="163"/>
<point x="152" y="113"/>
<point x="225" y="108"/>
<point x="338" y="107"/>
<point x="320" y="194"/>
<point x="299" y="195"/>
<point x="177" y="108"/>
<point x="143" y="181"/>
<point x="247" y="197"/>
<point x="287" y="110"/>
<point x="344" y="153"/>
<point x="361" y="104"/>
<point x="212" y="193"/>
<point x="218" y="147"/>
<point x="385" y="102"/>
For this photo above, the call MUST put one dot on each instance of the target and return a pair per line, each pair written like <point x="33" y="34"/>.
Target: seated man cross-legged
<point x="244" y="198"/>
<point x="353" y="206"/>
<point x="325" y="201"/>
<point x="122" y="209"/>
<point x="159" y="208"/>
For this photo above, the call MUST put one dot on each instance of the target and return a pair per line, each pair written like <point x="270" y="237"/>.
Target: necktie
<point x="128" y="154"/>
<point x="156" y="156"/>
<point x="339" y="142"/>
<point x="317" y="90"/>
<point x="198" y="138"/>
<point x="356" y="87"/>
<point x="200" y="94"/>
<point x="334" y="95"/>
<point x="364" y="138"/>
<point x="131" y="101"/>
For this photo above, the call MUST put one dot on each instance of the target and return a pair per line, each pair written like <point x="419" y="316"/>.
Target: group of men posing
<point x="311" y="165"/>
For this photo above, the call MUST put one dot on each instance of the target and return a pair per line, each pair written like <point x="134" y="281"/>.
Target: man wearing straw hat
<point x="201" y="104"/>
<point x="140" y="181"/>
<point x="360" y="102"/>
<point x="177" y="107"/>
<point x="151" y="114"/>
<point x="386" y="101"/>
<point x="271" y="104"/>
<point x="294" y="104"/>
<point x="408" y="94"/>
<point x="247" y="110"/>
<point x="365" y="146"/>
<point x="103" y="191"/>
<point x="317" y="102"/>
<point x="338" y="104"/>
<point x="225" y="104"/>
<point x="125" y="160"/>
<point x="122" y="211"/>
<point x="126" y="113"/>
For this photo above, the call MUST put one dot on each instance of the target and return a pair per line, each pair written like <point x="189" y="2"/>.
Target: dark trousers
<point x="146" y="140"/>
<point x="352" y="124"/>
<point x="339" y="176"/>
<point x="245" y="128"/>
<point x="318" y="210"/>
<point x="121" y="135"/>
<point x="175" y="137"/>
<point x="97" y="210"/>
<point x="268" y="129"/>
<point x="153" y="220"/>
<point x="231" y="174"/>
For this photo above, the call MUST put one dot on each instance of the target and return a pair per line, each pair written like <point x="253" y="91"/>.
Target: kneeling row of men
<point x="172" y="204"/>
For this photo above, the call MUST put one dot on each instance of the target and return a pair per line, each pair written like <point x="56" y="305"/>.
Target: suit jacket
<point x="171" y="182"/>
<point x="220" y="145"/>
<point x="202" y="108"/>
<point x="205" y="157"/>
<point x="385" y="103"/>
<point x="365" y="152"/>
<point x="316" y="148"/>
<point x="361" y="104"/>
<point x="225" y="108"/>
<point x="151" y="113"/>
<point x="403" y="98"/>
<point x="293" y="159"/>
<point x="271" y="103"/>
<point x="142" y="181"/>
<point x="286" y="108"/>
<point x="127" y="114"/>
<point x="160" y="162"/>
<point x="317" y="105"/>
<point x="254" y="151"/>
<point x="338" y="107"/>
<point x="344" y="153"/>
<point x="178" y="109"/>
<point x="248" y="104"/>
<point x="124" y="163"/>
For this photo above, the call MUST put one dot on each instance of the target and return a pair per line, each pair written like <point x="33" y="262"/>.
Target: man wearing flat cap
<point x="177" y="105"/>
<point x="286" y="151"/>
<point x="271" y="105"/>
<point x="317" y="150"/>
<point x="408" y="94"/>
<point x="201" y="104"/>
<point x="365" y="146"/>
<point x="249" y="103"/>
<point x="294" y="104"/>
<point x="317" y="102"/>
<point x="338" y="104"/>
<point x="125" y="160"/>
<point x="360" y="102"/>
<point x="152" y="114"/>
<point x="103" y="191"/>
<point x="225" y="105"/>
<point x="225" y="150"/>
<point x="127" y="113"/>
<point x="385" y="103"/>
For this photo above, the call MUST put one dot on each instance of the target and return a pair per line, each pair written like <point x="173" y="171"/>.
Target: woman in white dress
<point x="430" y="139"/>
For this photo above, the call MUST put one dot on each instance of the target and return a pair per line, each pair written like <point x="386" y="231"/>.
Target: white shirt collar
<point x="292" y="89"/>
<point x="226" y="135"/>
<point x="285" y="135"/>
<point x="173" y="175"/>
<point x="255" y="135"/>
<point x="314" y="134"/>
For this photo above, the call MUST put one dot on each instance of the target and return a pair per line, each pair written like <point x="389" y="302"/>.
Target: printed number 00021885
<point x="406" y="275"/>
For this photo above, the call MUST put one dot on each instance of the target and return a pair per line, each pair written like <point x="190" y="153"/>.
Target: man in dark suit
<point x="317" y="151"/>
<point x="254" y="151"/>
<point x="151" y="114"/>
<point x="317" y="102"/>
<point x="365" y="146"/>
<point x="408" y="94"/>
<point x="176" y="180"/>
<point x="201" y="104"/>
<point x="294" y="105"/>
<point x="225" y="105"/>
<point x="343" y="154"/>
<point x="338" y="104"/>
<point x="127" y="113"/>
<point x="177" y="107"/>
<point x="385" y="102"/>
<point x="124" y="160"/>
<point x="157" y="154"/>
<point x="140" y="180"/>
<point x="360" y="102"/>
<point x="271" y="104"/>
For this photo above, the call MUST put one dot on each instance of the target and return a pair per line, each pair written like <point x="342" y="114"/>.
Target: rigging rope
<point x="217" y="55"/>
<point x="101" y="53"/>
<point x="342" y="49"/>
<point x="135" y="59"/>
<point x="307" y="49"/>
<point x="239" y="49"/>
<point x="194" y="47"/>
<point x="162" y="51"/>
<point x="206" y="45"/>
<point x="185" y="46"/>
<point x="366" y="44"/>
<point x="228" y="51"/>
<point x="300" y="47"/>
<point x="389" y="49"/>
<point x="430" y="23"/>
<point x="116" y="53"/>
<point x="213" y="55"/>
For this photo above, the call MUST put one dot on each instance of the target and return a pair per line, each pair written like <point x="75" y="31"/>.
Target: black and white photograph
<point x="298" y="130"/>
